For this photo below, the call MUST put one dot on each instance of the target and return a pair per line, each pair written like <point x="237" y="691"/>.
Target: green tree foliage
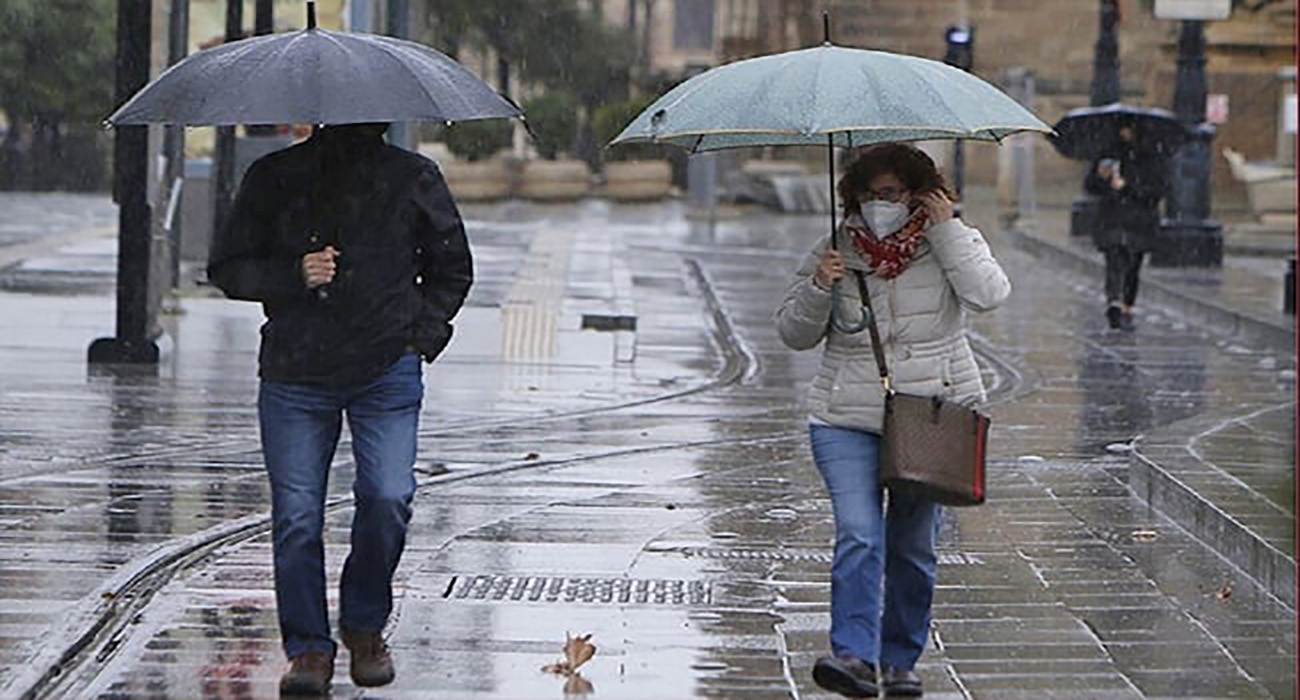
<point x="557" y="44"/>
<point x="611" y="119"/>
<point x="56" y="85"/>
<point x="554" y="121"/>
<point x="476" y="140"/>
<point x="56" y="59"/>
<point x="568" y="49"/>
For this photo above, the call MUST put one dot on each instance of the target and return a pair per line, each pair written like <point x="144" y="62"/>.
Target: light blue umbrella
<point x="828" y="95"/>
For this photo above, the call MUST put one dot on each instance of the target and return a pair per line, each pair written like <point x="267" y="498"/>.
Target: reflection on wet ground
<point x="1063" y="586"/>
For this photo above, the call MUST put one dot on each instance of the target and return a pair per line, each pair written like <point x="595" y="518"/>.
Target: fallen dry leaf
<point x="577" y="686"/>
<point x="578" y="650"/>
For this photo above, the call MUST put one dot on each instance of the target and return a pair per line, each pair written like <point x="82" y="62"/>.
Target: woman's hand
<point x="829" y="269"/>
<point x="937" y="206"/>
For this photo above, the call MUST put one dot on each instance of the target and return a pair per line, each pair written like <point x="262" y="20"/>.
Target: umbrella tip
<point x="311" y="14"/>
<point x="826" y="26"/>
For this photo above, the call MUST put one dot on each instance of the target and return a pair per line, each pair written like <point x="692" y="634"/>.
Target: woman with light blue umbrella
<point x="920" y="268"/>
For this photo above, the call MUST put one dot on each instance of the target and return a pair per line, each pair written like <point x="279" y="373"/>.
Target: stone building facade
<point x="1053" y="38"/>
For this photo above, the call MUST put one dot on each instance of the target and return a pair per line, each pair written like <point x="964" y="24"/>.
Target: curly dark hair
<point x="909" y="163"/>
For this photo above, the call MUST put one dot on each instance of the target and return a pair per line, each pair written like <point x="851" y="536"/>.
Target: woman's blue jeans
<point x="874" y="548"/>
<point x="300" y="426"/>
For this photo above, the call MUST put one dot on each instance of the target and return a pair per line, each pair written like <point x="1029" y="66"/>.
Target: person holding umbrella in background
<point x="923" y="269"/>
<point x="1130" y="181"/>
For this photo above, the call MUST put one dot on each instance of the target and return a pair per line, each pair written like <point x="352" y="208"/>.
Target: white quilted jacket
<point x="922" y="319"/>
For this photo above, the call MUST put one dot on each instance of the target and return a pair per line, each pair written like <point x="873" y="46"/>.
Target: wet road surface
<point x="687" y="531"/>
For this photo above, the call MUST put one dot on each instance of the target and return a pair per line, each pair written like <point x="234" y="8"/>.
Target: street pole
<point x="1105" y="89"/>
<point x="1188" y="237"/>
<point x="263" y="23"/>
<point x="224" y="189"/>
<point x="1105" y="58"/>
<point x="960" y="53"/>
<point x="399" y="26"/>
<point x="178" y="37"/>
<point x="131" y="345"/>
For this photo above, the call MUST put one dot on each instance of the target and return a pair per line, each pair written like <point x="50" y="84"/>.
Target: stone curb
<point x="1269" y="566"/>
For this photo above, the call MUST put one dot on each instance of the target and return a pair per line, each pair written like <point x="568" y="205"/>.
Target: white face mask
<point x="884" y="218"/>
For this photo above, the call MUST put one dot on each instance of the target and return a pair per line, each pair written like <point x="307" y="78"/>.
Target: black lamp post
<point x="131" y="344"/>
<point x="1105" y="90"/>
<point x="1187" y="235"/>
<point x="223" y="161"/>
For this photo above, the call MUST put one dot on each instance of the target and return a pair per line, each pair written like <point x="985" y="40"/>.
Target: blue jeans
<point x="871" y="546"/>
<point x="300" y="426"/>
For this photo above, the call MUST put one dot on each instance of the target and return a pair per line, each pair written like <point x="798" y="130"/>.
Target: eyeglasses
<point x="889" y="194"/>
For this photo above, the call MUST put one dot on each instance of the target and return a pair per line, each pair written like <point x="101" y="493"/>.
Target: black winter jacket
<point x="1129" y="216"/>
<point x="403" y="272"/>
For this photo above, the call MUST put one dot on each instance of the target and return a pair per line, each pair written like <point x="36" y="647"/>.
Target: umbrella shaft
<point x="830" y="176"/>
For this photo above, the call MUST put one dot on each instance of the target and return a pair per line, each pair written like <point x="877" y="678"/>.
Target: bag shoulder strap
<point x="876" y="347"/>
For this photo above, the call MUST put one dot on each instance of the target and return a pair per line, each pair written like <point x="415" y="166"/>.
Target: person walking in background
<point x="923" y="269"/>
<point x="1130" y="181"/>
<point x="358" y="255"/>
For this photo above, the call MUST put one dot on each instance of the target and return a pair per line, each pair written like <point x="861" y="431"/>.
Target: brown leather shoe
<point x="372" y="665"/>
<point x="846" y="675"/>
<point x="309" y="674"/>
<point x="900" y="683"/>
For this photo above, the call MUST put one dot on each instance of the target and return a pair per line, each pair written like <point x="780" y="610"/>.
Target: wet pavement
<point x="1226" y="474"/>
<point x="652" y="488"/>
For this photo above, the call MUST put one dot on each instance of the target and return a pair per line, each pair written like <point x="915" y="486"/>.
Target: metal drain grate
<point x="959" y="559"/>
<point x="760" y="554"/>
<point x="560" y="589"/>
<point x="947" y="558"/>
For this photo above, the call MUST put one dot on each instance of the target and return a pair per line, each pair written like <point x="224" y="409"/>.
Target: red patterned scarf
<point x="890" y="255"/>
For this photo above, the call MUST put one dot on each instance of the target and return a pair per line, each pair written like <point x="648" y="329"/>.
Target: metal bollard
<point x="1288" y="289"/>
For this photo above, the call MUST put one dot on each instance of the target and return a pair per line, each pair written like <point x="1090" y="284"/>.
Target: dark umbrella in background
<point x="314" y="76"/>
<point x="1089" y="132"/>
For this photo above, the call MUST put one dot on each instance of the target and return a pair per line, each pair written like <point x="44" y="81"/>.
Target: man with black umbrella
<point x="358" y="255"/>
<point x="1130" y="181"/>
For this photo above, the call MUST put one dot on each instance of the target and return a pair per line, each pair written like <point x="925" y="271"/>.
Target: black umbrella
<point x="314" y="76"/>
<point x="1089" y="132"/>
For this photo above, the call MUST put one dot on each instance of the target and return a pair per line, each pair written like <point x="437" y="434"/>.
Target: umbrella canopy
<point x="314" y="76"/>
<point x="1088" y="132"/>
<point x="828" y="94"/>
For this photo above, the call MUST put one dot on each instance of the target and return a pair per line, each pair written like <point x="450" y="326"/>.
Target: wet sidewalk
<point x="651" y="487"/>
<point x="1228" y="476"/>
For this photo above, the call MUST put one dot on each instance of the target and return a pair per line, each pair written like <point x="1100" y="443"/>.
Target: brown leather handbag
<point x="930" y="447"/>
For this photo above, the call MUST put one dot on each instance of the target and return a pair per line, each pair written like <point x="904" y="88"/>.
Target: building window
<point x="693" y="24"/>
